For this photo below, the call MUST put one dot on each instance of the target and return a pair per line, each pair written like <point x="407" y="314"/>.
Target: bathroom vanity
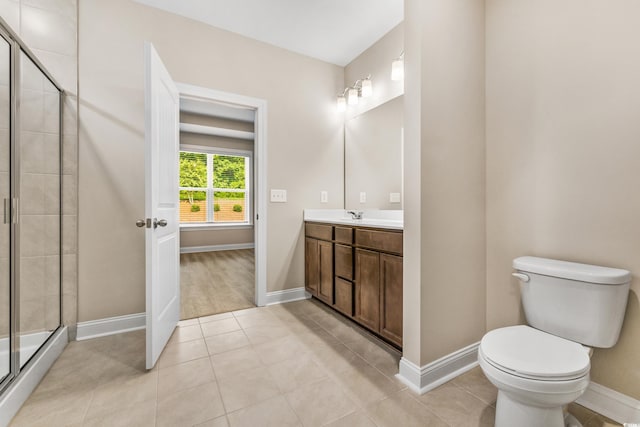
<point x="355" y="267"/>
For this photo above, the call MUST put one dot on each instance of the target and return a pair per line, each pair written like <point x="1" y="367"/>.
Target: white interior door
<point x="162" y="108"/>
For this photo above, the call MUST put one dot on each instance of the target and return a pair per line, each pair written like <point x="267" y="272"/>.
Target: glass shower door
<point x="5" y="197"/>
<point x="39" y="211"/>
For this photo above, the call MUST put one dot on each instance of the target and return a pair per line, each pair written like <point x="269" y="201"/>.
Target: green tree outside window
<point x="193" y="173"/>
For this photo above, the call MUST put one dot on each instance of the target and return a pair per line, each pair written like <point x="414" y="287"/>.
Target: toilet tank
<point x="580" y="302"/>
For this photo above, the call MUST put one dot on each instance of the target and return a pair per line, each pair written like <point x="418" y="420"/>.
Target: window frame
<point x="210" y="190"/>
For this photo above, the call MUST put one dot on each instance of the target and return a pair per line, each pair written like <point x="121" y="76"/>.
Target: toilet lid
<point x="531" y="353"/>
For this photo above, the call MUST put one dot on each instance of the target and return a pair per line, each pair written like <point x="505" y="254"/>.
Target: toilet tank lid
<point x="572" y="270"/>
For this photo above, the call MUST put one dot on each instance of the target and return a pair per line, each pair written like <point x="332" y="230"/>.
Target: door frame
<point x="259" y="172"/>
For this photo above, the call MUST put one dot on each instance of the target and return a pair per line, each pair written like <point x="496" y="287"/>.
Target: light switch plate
<point x="363" y="197"/>
<point x="324" y="197"/>
<point x="279" y="196"/>
<point x="394" y="197"/>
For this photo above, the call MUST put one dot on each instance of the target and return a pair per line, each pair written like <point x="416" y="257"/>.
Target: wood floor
<point x="216" y="282"/>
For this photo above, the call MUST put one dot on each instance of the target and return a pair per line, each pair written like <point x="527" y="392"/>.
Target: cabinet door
<point x="391" y="298"/>
<point x="368" y="289"/>
<point x="311" y="265"/>
<point x="325" y="284"/>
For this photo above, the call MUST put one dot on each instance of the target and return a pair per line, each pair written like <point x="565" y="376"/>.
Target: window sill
<point x="210" y="226"/>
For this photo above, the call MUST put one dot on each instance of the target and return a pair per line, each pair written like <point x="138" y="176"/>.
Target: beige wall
<point x="376" y="61"/>
<point x="204" y="120"/>
<point x="305" y="150"/>
<point x="444" y="262"/>
<point x="563" y="143"/>
<point x="49" y="29"/>
<point x="191" y="238"/>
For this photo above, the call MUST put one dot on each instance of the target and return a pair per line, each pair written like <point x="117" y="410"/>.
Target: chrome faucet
<point x="355" y="215"/>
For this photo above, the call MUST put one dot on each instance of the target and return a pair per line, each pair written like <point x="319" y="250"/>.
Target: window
<point x="214" y="186"/>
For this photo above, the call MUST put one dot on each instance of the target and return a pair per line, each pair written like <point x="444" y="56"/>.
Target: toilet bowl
<point x="541" y="367"/>
<point x="536" y="375"/>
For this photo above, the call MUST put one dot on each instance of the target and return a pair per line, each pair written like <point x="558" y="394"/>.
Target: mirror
<point x="373" y="158"/>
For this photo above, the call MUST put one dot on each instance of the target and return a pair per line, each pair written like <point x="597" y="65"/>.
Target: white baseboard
<point x="610" y="403"/>
<point x="134" y="322"/>
<point x="421" y="379"/>
<point x="110" y="326"/>
<point x="214" y="248"/>
<point x="29" y="378"/>
<point x="288" y="295"/>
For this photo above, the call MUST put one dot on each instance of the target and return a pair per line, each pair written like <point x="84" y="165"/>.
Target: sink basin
<point x="370" y="222"/>
<point x="390" y="220"/>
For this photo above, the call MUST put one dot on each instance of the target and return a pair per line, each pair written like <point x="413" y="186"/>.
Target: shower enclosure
<point x="30" y="193"/>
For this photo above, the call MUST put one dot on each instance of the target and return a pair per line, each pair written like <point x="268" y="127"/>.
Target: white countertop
<point x="390" y="219"/>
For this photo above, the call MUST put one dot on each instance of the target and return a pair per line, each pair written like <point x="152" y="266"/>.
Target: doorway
<point x="222" y="202"/>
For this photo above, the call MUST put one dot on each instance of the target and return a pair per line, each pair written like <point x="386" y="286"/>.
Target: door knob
<point x="159" y="222"/>
<point x="141" y="223"/>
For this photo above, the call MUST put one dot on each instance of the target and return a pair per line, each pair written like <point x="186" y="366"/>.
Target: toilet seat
<point x="529" y="353"/>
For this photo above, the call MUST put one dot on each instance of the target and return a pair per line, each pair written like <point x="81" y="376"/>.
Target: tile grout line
<point x="224" y="407"/>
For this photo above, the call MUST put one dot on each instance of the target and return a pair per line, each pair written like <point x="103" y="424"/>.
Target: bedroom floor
<point x="216" y="282"/>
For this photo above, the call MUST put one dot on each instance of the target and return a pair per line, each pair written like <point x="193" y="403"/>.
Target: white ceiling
<point x="335" y="31"/>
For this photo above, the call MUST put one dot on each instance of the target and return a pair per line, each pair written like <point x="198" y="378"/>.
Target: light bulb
<point x="353" y="96"/>
<point x="397" y="69"/>
<point x="367" y="89"/>
<point x="341" y="104"/>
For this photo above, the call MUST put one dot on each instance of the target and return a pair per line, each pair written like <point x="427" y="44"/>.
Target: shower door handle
<point x="14" y="213"/>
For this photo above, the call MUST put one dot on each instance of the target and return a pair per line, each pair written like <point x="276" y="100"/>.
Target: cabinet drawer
<point x="344" y="296"/>
<point x="318" y="231"/>
<point x="386" y="241"/>
<point x="344" y="235"/>
<point x="344" y="261"/>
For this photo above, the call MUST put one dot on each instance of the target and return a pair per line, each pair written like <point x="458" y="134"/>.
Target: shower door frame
<point x="16" y="46"/>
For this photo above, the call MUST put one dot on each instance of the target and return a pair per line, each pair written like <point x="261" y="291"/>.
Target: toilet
<point x="540" y="367"/>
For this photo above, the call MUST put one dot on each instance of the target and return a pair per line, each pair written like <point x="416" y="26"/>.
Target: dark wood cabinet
<point x="391" y="298"/>
<point x="368" y="289"/>
<point x="311" y="265"/>
<point x="319" y="269"/>
<point x="344" y="296"/>
<point x="344" y="261"/>
<point x="325" y="283"/>
<point x="357" y="271"/>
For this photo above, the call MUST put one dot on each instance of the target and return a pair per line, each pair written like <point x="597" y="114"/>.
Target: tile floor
<point x="296" y="364"/>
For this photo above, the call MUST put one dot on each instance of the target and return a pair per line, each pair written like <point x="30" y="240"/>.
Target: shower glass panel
<point x="39" y="211"/>
<point x="5" y="197"/>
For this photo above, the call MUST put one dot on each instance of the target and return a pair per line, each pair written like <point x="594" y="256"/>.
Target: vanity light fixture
<point x="367" y="89"/>
<point x="397" y="68"/>
<point x="342" y="104"/>
<point x="352" y="97"/>
<point x="362" y="88"/>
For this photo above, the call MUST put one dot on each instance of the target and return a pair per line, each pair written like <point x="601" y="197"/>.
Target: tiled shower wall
<point x="39" y="129"/>
<point x="49" y="28"/>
